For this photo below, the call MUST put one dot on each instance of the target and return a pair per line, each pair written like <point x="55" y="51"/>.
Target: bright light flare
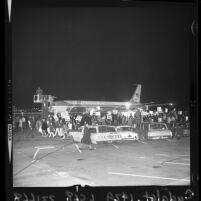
<point x="127" y="105"/>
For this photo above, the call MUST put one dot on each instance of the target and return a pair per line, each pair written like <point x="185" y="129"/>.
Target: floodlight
<point x="128" y="104"/>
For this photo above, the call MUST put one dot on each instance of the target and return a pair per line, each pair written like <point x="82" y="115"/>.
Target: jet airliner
<point x="68" y="105"/>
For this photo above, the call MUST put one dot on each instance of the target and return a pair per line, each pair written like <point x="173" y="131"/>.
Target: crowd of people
<point x="55" y="125"/>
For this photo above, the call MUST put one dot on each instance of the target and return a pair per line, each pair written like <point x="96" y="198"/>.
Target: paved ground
<point x="159" y="162"/>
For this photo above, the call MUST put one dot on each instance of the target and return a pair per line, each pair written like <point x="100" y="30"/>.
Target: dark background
<point x="101" y="53"/>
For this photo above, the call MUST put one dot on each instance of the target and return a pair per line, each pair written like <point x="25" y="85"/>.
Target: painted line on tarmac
<point x="178" y="163"/>
<point x="144" y="176"/>
<point x="49" y="170"/>
<point x="171" y="140"/>
<point x="183" y="155"/>
<point x="171" y="156"/>
<point x="37" y="166"/>
<point x="163" y="155"/>
<point x="176" y="182"/>
<point x="185" y="159"/>
<point x="142" y="142"/>
<point x="115" y="146"/>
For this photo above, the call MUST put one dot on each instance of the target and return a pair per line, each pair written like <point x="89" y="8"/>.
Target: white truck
<point x="127" y="133"/>
<point x="99" y="133"/>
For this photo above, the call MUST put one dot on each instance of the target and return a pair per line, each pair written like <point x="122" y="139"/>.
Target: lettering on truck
<point x="108" y="137"/>
<point x="112" y="136"/>
<point x="101" y="137"/>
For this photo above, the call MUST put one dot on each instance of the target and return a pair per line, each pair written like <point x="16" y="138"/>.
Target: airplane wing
<point x="131" y="107"/>
<point x="158" y="104"/>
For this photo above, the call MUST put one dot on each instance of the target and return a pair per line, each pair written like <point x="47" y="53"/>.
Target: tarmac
<point x="59" y="163"/>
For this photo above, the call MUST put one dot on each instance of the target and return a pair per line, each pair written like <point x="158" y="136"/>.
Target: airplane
<point x="83" y="106"/>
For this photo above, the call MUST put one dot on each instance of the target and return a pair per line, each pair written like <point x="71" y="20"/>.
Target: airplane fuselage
<point x="134" y="102"/>
<point x="94" y="103"/>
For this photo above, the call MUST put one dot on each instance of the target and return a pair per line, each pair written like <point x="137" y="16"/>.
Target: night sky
<point x="101" y="53"/>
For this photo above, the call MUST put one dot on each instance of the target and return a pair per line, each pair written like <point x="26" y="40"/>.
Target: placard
<point x="159" y="109"/>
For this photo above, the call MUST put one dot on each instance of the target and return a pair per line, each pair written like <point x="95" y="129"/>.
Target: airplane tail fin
<point x="136" y="96"/>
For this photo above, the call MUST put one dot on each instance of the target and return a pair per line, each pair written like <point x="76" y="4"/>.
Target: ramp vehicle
<point x="154" y="131"/>
<point x="127" y="133"/>
<point x="99" y="134"/>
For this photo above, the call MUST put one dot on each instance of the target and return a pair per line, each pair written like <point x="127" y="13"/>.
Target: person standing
<point x="130" y="120"/>
<point x="27" y="122"/>
<point x="138" y="118"/>
<point x="44" y="128"/>
<point x="58" y="128"/>
<point x="20" y="124"/>
<point x="23" y="123"/>
<point x="124" y="120"/>
<point x="70" y="126"/>
<point x="17" y="123"/>
<point x="164" y="118"/>
<point x="65" y="130"/>
<point x="38" y="124"/>
<point x="119" y="120"/>
<point x="31" y="127"/>
<point x="51" y="130"/>
<point x="86" y="140"/>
